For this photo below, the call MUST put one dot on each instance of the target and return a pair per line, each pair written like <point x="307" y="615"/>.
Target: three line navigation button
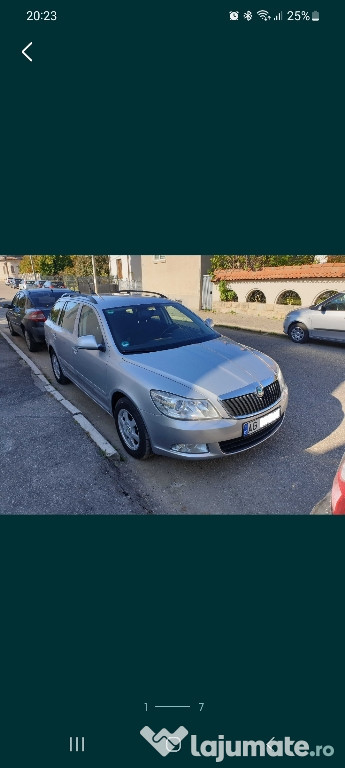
<point x="76" y="745"/>
<point x="24" y="51"/>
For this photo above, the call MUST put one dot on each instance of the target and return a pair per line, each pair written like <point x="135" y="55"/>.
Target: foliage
<point x="258" y="296"/>
<point x="226" y="294"/>
<point x="45" y="265"/>
<point x="289" y="297"/>
<point x="257" y="262"/>
<point x="79" y="266"/>
<point x="335" y="259"/>
<point x="25" y="266"/>
<point x="82" y="266"/>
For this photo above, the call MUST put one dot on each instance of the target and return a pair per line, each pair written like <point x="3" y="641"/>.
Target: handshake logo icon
<point x="164" y="741"/>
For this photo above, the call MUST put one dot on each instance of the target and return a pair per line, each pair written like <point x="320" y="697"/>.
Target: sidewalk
<point x="49" y="466"/>
<point x="250" y="322"/>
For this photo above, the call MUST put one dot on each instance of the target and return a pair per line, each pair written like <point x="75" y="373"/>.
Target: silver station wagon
<point x="174" y="385"/>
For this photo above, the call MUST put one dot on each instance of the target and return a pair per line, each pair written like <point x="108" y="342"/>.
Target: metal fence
<point x="105" y="285"/>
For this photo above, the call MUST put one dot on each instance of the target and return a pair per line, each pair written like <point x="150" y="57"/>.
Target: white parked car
<point x="26" y="284"/>
<point x="321" y="321"/>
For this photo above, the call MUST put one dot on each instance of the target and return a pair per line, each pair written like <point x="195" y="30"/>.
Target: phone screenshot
<point x="172" y="396"/>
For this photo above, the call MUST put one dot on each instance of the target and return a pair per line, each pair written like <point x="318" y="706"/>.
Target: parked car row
<point x="173" y="384"/>
<point x="18" y="282"/>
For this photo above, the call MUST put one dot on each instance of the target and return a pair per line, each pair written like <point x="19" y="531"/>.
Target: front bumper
<point x="217" y="434"/>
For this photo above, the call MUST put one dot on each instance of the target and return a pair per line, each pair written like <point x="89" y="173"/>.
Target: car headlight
<point x="280" y="378"/>
<point x="177" y="407"/>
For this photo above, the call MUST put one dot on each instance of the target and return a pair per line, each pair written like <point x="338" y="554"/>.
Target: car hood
<point x="220" y="366"/>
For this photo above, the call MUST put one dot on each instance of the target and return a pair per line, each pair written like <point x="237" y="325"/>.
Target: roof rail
<point x="136" y="290"/>
<point x="80" y="295"/>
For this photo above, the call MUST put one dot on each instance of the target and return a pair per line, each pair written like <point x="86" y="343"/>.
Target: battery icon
<point x="315" y="16"/>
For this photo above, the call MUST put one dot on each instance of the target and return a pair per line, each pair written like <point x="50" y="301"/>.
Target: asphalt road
<point x="287" y="474"/>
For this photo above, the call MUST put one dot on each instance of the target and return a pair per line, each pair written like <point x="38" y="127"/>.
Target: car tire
<point x="11" y="330"/>
<point x="60" y="378"/>
<point x="131" y="429"/>
<point x="30" y="342"/>
<point x="298" y="333"/>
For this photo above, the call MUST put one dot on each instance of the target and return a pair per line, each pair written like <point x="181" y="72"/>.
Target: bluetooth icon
<point x="248" y="15"/>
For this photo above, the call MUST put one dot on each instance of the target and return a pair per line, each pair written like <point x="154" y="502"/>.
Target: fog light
<point x="188" y="448"/>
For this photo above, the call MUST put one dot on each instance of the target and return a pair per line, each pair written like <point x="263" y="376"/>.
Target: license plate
<point x="250" y="427"/>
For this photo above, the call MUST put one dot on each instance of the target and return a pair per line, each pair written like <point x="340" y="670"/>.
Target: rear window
<point x="43" y="299"/>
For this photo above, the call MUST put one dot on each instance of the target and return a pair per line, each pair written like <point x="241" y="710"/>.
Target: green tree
<point x="81" y="266"/>
<point x="25" y="266"/>
<point x="54" y="265"/>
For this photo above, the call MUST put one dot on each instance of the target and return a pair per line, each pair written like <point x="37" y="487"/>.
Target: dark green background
<point x="100" y="615"/>
<point x="163" y="128"/>
<point x="141" y="125"/>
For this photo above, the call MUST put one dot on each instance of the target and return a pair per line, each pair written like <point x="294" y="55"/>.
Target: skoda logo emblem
<point x="260" y="391"/>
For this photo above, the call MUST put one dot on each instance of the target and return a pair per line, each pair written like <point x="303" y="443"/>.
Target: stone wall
<point x="277" y="311"/>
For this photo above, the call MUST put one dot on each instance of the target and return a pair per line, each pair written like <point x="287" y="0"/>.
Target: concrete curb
<point x="83" y="422"/>
<point x="251" y="330"/>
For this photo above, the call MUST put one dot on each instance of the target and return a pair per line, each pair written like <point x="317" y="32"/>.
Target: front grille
<point x="242" y="443"/>
<point x="243" y="405"/>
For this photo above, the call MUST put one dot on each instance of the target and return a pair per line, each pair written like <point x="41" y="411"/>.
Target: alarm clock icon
<point x="233" y="15"/>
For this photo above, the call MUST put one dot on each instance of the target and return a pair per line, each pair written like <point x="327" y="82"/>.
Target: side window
<point x="336" y="305"/>
<point x="21" y="301"/>
<point x="55" y="311"/>
<point x="89" y="324"/>
<point x="69" y="315"/>
<point x="15" y="300"/>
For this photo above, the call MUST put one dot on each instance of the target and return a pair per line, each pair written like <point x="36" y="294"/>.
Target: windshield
<point x="153" y="327"/>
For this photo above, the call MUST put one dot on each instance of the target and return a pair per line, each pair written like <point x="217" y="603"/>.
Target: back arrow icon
<point x="25" y="49"/>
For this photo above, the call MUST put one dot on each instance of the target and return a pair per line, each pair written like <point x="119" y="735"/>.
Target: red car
<point x="334" y="502"/>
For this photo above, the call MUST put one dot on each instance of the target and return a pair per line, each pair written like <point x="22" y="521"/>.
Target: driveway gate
<point x="206" y="298"/>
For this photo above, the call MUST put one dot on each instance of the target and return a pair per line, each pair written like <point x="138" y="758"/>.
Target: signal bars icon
<point x="279" y="16"/>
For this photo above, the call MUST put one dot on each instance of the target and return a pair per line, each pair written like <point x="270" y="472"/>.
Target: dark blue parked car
<point x="28" y="312"/>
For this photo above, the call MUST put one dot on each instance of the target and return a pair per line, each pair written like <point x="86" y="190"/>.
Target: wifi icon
<point x="264" y="15"/>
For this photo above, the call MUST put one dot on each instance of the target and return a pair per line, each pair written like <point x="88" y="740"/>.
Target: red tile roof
<point x="304" y="272"/>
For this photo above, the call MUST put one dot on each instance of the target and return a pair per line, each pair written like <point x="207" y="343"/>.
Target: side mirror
<point x="89" y="342"/>
<point x="209" y="322"/>
<point x="6" y="305"/>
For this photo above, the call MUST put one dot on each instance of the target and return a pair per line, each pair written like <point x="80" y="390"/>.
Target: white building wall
<point x="131" y="266"/>
<point x="308" y="290"/>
